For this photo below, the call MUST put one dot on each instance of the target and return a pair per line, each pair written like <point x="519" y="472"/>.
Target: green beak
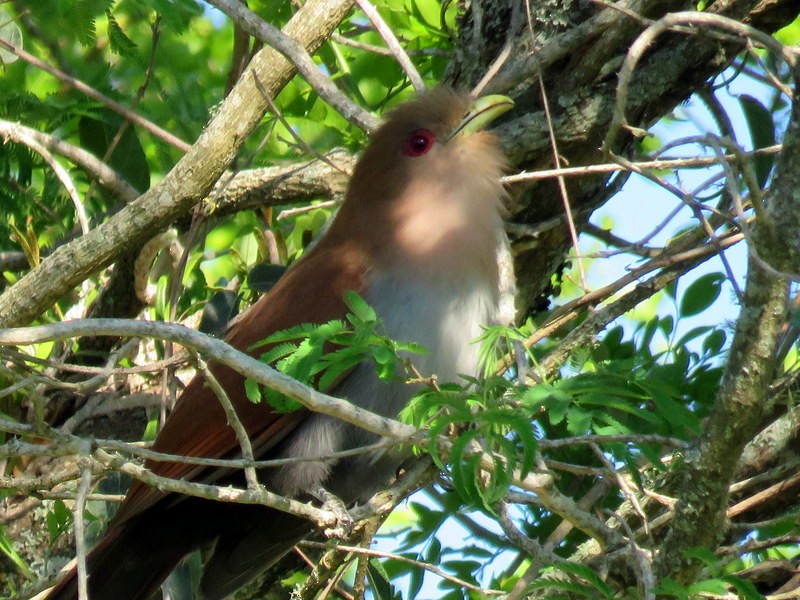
<point x="482" y="112"/>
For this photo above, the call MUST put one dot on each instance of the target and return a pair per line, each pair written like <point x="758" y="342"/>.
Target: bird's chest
<point x="443" y="315"/>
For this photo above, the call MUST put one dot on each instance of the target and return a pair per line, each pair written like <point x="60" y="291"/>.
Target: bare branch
<point x="677" y="21"/>
<point x="392" y="43"/>
<point x="221" y="352"/>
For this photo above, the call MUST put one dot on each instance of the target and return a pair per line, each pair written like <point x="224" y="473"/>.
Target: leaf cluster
<point x="320" y="355"/>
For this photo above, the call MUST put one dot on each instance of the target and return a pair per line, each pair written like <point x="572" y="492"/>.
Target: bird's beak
<point x="481" y="113"/>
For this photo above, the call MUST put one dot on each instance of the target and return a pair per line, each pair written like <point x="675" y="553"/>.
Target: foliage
<point x="321" y="355"/>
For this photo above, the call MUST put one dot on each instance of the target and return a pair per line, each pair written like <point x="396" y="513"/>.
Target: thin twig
<point x="64" y="444"/>
<point x="80" y="532"/>
<point x="642" y="559"/>
<point x="662" y="440"/>
<point x="538" y="555"/>
<point x="700" y="162"/>
<point x="155" y="36"/>
<point x="383" y="51"/>
<point x="233" y="422"/>
<point x="95" y="95"/>
<point x="261" y="496"/>
<point x="562" y="186"/>
<point x="300" y="141"/>
<point x="623" y="486"/>
<point x="409" y="561"/>
<point x="20" y="135"/>
<point x="678" y="21"/>
<point x="219" y="351"/>
<point x="392" y="43"/>
<point x="570" y="310"/>
<point x="59" y="365"/>
<point x="293" y="212"/>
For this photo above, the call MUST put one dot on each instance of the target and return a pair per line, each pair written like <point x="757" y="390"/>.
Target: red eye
<point x="418" y="143"/>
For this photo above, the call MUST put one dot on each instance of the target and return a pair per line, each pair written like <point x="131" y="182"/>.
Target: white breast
<point x="445" y="317"/>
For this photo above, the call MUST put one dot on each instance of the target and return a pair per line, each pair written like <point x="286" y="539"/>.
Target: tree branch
<point x="743" y="396"/>
<point x="222" y="353"/>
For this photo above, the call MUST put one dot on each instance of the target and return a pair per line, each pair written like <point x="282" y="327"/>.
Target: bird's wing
<point x="311" y="291"/>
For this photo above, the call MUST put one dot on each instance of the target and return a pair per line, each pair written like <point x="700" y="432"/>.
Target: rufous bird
<point x="417" y="237"/>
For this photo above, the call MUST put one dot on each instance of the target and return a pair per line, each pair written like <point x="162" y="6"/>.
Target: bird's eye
<point x="418" y="143"/>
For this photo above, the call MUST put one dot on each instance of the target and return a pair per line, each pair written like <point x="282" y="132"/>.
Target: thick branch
<point x="289" y="184"/>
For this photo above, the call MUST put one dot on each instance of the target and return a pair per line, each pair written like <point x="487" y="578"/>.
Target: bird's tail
<point x="127" y="564"/>
<point x="135" y="557"/>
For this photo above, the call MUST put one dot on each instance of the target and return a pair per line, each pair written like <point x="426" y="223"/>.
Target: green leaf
<point x="671" y="411"/>
<point x="380" y="583"/>
<point x="789" y="35"/>
<point x="693" y="334"/>
<point x="7" y="548"/>
<point x="359" y="308"/>
<point x="701" y="294"/>
<point x="415" y="583"/>
<point x="670" y="587"/>
<point x="120" y="43"/>
<point x="714" y="342"/>
<point x="59" y="520"/>
<point x="671" y="289"/>
<point x="10" y="33"/>
<point x="648" y="331"/>
<point x="252" y="390"/>
<point x="336" y="369"/>
<point x="280" y="403"/>
<point x="85" y="12"/>
<point x="579" y="421"/>
<point x="708" y="558"/>
<point x="433" y="554"/>
<point x="709" y="586"/>
<point x="666" y="325"/>
<point x="177" y="13"/>
<point x="97" y="134"/>
<point x="596" y="584"/>
<point x="648" y="144"/>
<point x="746" y="589"/>
<point x="277" y="352"/>
<point x="557" y="409"/>
<point x="221" y="308"/>
<point x="301" y="363"/>
<point x="762" y="134"/>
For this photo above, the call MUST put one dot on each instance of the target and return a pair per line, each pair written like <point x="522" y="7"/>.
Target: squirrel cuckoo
<point x="417" y="237"/>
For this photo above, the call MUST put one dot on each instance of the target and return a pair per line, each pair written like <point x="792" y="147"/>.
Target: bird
<point x="417" y="237"/>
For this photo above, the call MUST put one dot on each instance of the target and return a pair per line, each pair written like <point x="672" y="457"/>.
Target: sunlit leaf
<point x="11" y="34"/>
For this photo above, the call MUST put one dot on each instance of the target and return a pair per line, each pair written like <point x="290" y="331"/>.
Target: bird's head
<point x="439" y="136"/>
<point x="430" y="176"/>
